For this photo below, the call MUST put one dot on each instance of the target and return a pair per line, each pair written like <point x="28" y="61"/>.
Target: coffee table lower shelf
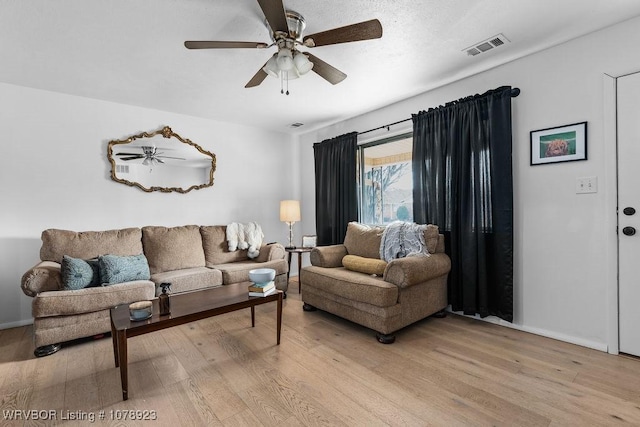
<point x="185" y="308"/>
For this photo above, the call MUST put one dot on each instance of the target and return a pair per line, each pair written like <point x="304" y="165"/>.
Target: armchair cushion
<point x="431" y="237"/>
<point x="409" y="271"/>
<point x="328" y="256"/>
<point x="363" y="240"/>
<point x="364" y="265"/>
<point x="350" y="285"/>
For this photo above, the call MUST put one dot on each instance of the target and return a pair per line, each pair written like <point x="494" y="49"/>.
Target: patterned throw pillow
<point x="119" y="269"/>
<point x="78" y="273"/>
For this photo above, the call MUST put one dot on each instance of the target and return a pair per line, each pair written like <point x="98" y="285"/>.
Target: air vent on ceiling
<point x="122" y="168"/>
<point x="296" y="125"/>
<point x="486" y="45"/>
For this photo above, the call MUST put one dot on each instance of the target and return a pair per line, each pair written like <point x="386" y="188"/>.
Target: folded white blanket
<point x="245" y="236"/>
<point x="402" y="239"/>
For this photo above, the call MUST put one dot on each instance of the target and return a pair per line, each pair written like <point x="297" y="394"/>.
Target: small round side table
<point x="299" y="251"/>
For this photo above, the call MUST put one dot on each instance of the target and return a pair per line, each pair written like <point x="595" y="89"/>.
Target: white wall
<point x="561" y="280"/>
<point x="54" y="174"/>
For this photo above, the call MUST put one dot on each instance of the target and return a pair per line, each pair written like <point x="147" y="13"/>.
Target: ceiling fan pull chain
<point x="281" y="82"/>
<point x="287" y="83"/>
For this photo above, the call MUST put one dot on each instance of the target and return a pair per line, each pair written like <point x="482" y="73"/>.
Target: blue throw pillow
<point x="120" y="269"/>
<point x="78" y="273"/>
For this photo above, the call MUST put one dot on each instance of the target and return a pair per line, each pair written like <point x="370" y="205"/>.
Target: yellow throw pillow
<point x="364" y="265"/>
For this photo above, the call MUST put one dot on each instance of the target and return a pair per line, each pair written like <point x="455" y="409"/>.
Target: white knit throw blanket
<point x="402" y="239"/>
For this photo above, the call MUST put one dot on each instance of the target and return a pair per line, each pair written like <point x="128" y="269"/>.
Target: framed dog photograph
<point x="559" y="144"/>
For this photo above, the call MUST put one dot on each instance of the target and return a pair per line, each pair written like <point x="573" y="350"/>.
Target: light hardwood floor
<point x="326" y="371"/>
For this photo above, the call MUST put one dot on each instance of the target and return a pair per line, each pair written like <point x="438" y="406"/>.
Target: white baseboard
<point x="17" y="324"/>
<point x="542" y="332"/>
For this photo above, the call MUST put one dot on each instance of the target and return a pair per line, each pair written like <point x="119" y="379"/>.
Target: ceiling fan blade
<point x="257" y="78"/>
<point x="366" y="30"/>
<point x="128" y="154"/>
<point x="223" y="45"/>
<point x="132" y="158"/>
<point x="158" y="160"/>
<point x="167" y="157"/>
<point x="326" y="71"/>
<point x="274" y="12"/>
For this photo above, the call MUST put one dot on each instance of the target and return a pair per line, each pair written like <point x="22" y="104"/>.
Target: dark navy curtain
<point x="336" y="187"/>
<point x="462" y="182"/>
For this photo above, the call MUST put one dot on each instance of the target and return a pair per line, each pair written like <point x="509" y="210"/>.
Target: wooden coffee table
<point x="185" y="308"/>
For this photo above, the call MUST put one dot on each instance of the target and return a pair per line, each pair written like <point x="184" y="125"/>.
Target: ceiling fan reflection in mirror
<point x="150" y="156"/>
<point x="286" y="28"/>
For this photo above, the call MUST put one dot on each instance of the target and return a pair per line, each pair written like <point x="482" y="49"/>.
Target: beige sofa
<point x="190" y="257"/>
<point x="402" y="292"/>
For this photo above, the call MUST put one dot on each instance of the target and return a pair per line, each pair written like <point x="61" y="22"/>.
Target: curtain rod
<point x="514" y="92"/>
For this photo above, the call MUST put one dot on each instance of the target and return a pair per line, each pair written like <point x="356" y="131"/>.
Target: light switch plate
<point x="587" y="184"/>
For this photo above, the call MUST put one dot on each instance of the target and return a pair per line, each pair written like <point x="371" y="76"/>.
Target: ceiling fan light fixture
<point x="271" y="67"/>
<point x="302" y="63"/>
<point x="292" y="74"/>
<point x="285" y="60"/>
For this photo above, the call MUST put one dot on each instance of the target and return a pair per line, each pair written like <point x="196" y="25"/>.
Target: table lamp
<point x="290" y="213"/>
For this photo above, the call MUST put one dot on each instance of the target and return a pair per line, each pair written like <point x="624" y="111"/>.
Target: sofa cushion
<point x="77" y="273"/>
<point x="364" y="265"/>
<point x="363" y="240"/>
<point x="350" y="285"/>
<point x="119" y="269"/>
<point x="239" y="271"/>
<point x="216" y="248"/>
<point x="89" y="244"/>
<point x="188" y="279"/>
<point x="87" y="300"/>
<point x="173" y="248"/>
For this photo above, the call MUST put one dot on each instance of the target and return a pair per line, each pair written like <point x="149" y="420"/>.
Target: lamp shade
<point x="302" y="63"/>
<point x="271" y="67"/>
<point x="290" y="210"/>
<point x="285" y="60"/>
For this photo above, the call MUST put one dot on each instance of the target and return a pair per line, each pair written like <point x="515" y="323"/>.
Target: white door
<point x="628" y="95"/>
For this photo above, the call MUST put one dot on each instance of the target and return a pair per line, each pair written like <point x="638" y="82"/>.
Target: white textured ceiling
<point x="132" y="52"/>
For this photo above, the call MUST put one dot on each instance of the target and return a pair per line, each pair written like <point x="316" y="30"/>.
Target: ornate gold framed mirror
<point x="161" y="161"/>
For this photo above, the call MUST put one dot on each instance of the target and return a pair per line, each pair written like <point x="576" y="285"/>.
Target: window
<point x="385" y="180"/>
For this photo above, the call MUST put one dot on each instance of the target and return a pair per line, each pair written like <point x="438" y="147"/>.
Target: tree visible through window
<point x="385" y="181"/>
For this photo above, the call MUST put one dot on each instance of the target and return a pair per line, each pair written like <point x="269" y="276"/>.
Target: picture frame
<point x="309" y="241"/>
<point x="559" y="144"/>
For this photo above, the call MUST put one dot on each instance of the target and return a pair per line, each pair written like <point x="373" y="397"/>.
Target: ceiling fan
<point x="150" y="156"/>
<point x="286" y="28"/>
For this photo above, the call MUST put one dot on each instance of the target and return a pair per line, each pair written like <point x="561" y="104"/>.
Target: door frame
<point x="610" y="143"/>
<point x="610" y="135"/>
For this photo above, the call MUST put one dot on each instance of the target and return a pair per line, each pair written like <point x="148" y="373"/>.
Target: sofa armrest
<point x="44" y="276"/>
<point x="271" y="252"/>
<point x="412" y="270"/>
<point x="328" y="256"/>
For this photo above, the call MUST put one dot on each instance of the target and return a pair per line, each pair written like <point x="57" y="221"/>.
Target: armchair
<point x="408" y="290"/>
